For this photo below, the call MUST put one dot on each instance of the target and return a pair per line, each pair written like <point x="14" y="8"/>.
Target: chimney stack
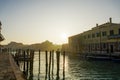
<point x="96" y="25"/>
<point x="110" y="20"/>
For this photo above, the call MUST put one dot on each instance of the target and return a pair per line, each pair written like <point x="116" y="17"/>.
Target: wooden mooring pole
<point x="58" y="63"/>
<point x="49" y="64"/>
<point x="64" y="65"/>
<point x="46" y="57"/>
<point x="17" y="56"/>
<point x="39" y="62"/>
<point x="31" y="64"/>
<point x="24" y="61"/>
<point x="27" y="61"/>
<point x="52" y="62"/>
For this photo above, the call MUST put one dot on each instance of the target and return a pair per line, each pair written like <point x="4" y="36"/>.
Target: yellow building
<point x="103" y="38"/>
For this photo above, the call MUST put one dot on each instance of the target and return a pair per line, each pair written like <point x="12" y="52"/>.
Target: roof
<point x="105" y="25"/>
<point x="98" y="26"/>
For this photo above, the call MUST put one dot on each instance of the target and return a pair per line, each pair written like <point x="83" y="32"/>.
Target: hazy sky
<point x="34" y="21"/>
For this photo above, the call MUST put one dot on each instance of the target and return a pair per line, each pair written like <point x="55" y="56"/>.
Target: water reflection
<point x="83" y="69"/>
<point x="49" y="70"/>
<point x="75" y="69"/>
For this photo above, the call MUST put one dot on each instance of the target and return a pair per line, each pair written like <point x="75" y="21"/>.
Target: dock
<point x="9" y="69"/>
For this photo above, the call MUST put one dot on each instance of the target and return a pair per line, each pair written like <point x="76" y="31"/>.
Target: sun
<point x="64" y="37"/>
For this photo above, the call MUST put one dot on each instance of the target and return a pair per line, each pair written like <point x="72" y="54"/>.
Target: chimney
<point x="96" y="25"/>
<point x="110" y="20"/>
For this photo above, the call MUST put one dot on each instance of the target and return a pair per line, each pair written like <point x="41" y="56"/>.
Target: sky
<point x="35" y="21"/>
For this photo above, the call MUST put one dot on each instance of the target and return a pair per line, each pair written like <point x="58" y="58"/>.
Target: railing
<point x="114" y="36"/>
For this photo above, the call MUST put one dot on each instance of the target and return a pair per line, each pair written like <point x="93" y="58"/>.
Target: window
<point x="119" y="31"/>
<point x="111" y="32"/>
<point x="84" y="37"/>
<point x="104" y="33"/>
<point x="93" y="35"/>
<point x="89" y="36"/>
<point x="98" y="34"/>
<point x="104" y="45"/>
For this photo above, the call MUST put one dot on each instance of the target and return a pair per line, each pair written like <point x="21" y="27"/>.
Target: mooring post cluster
<point x="27" y="57"/>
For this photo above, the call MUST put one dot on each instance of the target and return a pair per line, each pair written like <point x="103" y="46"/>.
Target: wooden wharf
<point x="8" y="68"/>
<point x="26" y="57"/>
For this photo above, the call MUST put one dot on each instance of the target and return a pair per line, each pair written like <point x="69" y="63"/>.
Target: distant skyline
<point x="35" y="21"/>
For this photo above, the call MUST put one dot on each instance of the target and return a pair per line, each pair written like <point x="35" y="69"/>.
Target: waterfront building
<point x="103" y="38"/>
<point x="1" y="37"/>
<point x="65" y="48"/>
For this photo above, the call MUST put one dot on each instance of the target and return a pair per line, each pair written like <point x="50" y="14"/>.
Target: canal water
<point x="77" y="69"/>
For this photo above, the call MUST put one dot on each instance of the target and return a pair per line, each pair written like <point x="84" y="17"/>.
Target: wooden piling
<point x="64" y="65"/>
<point x="24" y="60"/>
<point x="46" y="57"/>
<point x="27" y="57"/>
<point x="58" y="63"/>
<point x="31" y="64"/>
<point x="52" y="62"/>
<point x="39" y="62"/>
<point x="27" y="61"/>
<point x="31" y="70"/>
<point x="49" y="64"/>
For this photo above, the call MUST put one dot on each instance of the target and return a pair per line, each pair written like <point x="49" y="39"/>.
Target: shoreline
<point x="9" y="69"/>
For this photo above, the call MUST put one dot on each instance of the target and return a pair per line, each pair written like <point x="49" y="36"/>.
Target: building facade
<point x="103" y="38"/>
<point x="1" y="36"/>
<point x="65" y="48"/>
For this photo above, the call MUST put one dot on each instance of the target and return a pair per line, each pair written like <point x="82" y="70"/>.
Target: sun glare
<point x="64" y="37"/>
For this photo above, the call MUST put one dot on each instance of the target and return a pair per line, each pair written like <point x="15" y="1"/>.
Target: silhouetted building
<point x="65" y="48"/>
<point x="1" y="36"/>
<point x="103" y="38"/>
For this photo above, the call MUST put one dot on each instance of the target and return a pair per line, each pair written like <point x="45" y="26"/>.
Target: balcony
<point x="117" y="36"/>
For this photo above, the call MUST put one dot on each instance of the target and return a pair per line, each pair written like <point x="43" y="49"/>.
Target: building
<point x="1" y="37"/>
<point x="103" y="38"/>
<point x="65" y="48"/>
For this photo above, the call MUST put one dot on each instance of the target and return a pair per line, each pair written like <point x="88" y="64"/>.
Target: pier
<point x="8" y="68"/>
<point x="18" y="64"/>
